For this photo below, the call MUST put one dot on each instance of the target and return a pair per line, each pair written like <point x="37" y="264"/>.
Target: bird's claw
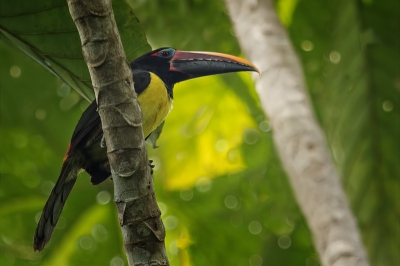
<point x="151" y="166"/>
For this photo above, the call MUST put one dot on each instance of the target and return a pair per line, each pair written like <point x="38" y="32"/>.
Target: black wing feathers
<point x="90" y="118"/>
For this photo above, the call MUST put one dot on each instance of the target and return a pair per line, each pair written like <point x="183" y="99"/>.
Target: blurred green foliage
<point x="224" y="196"/>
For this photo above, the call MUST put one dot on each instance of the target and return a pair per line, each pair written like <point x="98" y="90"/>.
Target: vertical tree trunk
<point x="298" y="138"/>
<point x="119" y="110"/>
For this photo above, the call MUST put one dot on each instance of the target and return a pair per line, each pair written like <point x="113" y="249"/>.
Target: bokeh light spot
<point x="186" y="195"/>
<point x="255" y="260"/>
<point x="234" y="155"/>
<point x="15" y="71"/>
<point x="231" y="202"/>
<point x="86" y="242"/>
<point x="335" y="57"/>
<point x="99" y="233"/>
<point x="173" y="248"/>
<point x="103" y="197"/>
<point x="255" y="227"/>
<point x="170" y="222"/>
<point x="284" y="242"/>
<point x="163" y="207"/>
<point x="387" y="106"/>
<point x="307" y="46"/>
<point x="63" y="90"/>
<point x="221" y="145"/>
<point x="117" y="261"/>
<point x="40" y="114"/>
<point x="203" y="184"/>
<point x="264" y="126"/>
<point x="251" y="136"/>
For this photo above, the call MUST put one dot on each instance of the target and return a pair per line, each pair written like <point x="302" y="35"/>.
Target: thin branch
<point x="298" y="138"/>
<point x="119" y="110"/>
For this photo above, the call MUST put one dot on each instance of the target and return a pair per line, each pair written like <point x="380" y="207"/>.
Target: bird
<point x="154" y="75"/>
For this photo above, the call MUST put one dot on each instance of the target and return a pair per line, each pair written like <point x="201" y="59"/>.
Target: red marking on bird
<point x="66" y="154"/>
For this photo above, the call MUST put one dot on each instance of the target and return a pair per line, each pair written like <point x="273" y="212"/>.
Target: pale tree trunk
<point x="119" y="110"/>
<point x="298" y="138"/>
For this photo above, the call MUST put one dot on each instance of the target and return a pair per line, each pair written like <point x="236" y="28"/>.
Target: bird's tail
<point x="54" y="205"/>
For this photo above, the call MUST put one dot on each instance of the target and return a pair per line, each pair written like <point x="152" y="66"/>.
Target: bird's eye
<point x="166" y="53"/>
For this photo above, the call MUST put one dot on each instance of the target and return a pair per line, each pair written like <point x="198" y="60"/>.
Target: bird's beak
<point x="199" y="64"/>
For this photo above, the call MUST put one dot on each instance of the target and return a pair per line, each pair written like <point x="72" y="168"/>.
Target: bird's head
<point x="174" y="66"/>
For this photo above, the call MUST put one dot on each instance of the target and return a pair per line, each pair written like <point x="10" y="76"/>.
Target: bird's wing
<point x="88" y="121"/>
<point x="90" y="118"/>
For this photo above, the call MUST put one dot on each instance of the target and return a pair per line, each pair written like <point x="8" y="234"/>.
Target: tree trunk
<point x="297" y="136"/>
<point x="119" y="110"/>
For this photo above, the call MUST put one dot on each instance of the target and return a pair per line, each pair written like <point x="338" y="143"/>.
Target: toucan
<point x="154" y="77"/>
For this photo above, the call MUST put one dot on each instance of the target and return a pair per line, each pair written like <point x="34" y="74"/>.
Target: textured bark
<point x="298" y="138"/>
<point x="138" y="213"/>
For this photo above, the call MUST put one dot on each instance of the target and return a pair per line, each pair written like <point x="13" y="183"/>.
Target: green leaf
<point x="45" y="31"/>
<point x="350" y="51"/>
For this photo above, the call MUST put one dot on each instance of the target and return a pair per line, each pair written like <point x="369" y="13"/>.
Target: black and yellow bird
<point x="154" y="76"/>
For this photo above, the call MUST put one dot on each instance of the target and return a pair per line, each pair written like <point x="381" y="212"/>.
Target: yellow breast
<point x="155" y="103"/>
